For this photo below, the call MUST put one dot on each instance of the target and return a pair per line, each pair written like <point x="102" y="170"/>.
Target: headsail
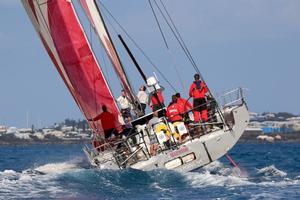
<point x="93" y="13"/>
<point x="66" y="43"/>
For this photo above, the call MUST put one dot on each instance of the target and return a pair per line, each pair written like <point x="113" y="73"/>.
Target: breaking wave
<point x="216" y="174"/>
<point x="69" y="180"/>
<point x="271" y="171"/>
<point x="34" y="183"/>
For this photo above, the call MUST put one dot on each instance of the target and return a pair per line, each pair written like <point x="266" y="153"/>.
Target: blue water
<point x="269" y="171"/>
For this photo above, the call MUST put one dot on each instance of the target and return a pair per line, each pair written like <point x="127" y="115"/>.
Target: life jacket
<point x="160" y="97"/>
<point x="198" y="89"/>
<point x="198" y="85"/>
<point x="174" y="112"/>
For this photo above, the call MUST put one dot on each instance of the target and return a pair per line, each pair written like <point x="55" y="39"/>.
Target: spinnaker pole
<point x="133" y="59"/>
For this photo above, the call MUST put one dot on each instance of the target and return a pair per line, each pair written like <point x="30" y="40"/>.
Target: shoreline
<point x="251" y="137"/>
<point x="247" y="138"/>
<point x="28" y="143"/>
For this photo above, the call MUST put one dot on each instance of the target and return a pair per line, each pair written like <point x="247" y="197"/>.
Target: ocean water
<point x="268" y="171"/>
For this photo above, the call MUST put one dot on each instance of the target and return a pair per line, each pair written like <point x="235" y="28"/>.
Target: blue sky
<point x="253" y="43"/>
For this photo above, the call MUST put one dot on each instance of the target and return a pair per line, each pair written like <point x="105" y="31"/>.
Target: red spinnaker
<point x="66" y="43"/>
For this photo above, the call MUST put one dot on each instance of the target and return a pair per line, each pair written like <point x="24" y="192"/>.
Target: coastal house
<point x="268" y="127"/>
<point x="3" y="130"/>
<point x="54" y="133"/>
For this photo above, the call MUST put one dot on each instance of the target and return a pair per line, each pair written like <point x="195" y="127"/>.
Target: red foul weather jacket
<point x="174" y="112"/>
<point x="185" y="104"/>
<point x="160" y="97"/>
<point x="107" y="119"/>
<point x="198" y="90"/>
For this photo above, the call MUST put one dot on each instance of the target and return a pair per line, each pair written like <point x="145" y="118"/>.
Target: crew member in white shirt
<point x="143" y="98"/>
<point x="125" y="106"/>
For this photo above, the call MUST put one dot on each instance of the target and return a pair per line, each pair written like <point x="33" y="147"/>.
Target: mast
<point x="96" y="19"/>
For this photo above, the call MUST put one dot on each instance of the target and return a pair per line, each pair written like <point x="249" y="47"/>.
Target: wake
<point x="216" y="174"/>
<point x="35" y="183"/>
<point x="66" y="180"/>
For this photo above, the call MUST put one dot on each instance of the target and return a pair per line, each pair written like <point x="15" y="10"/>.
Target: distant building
<point x="67" y="128"/>
<point x="39" y="135"/>
<point x="12" y="130"/>
<point x="3" y="130"/>
<point x="58" y="134"/>
<point x="268" y="127"/>
<point x="25" y="130"/>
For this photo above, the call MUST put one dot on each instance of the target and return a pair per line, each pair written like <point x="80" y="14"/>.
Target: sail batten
<point x="96" y="20"/>
<point x="67" y="45"/>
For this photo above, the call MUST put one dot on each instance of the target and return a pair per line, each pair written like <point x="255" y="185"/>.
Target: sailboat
<point x="66" y="43"/>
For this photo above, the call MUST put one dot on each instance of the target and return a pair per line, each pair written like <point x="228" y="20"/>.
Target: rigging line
<point x="158" y="24"/>
<point x="177" y="71"/>
<point x="136" y="44"/>
<point x="177" y="31"/>
<point x="177" y="38"/>
<point x="167" y="46"/>
<point x="187" y="51"/>
<point x="181" y="39"/>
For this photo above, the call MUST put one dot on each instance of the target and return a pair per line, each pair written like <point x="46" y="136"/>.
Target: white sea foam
<point x="208" y="179"/>
<point x="56" y="168"/>
<point x="283" y="183"/>
<point x="217" y="174"/>
<point x="30" y="184"/>
<point x="272" y="171"/>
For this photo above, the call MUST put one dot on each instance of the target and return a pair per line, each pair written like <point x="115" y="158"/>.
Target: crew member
<point x="108" y="122"/>
<point x="175" y="110"/>
<point x="125" y="106"/>
<point x="198" y="91"/>
<point x="152" y="137"/>
<point x="157" y="100"/>
<point x="187" y="106"/>
<point x="143" y="98"/>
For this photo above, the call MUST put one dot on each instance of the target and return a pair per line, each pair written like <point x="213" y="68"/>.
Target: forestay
<point x="59" y="28"/>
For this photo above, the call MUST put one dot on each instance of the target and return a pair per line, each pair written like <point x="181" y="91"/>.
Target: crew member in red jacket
<point x="186" y="105"/>
<point x="183" y="102"/>
<point x="198" y="91"/>
<point x="157" y="100"/>
<point x="108" y="122"/>
<point x="174" y="110"/>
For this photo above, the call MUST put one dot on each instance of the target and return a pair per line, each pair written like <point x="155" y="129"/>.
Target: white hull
<point x="192" y="154"/>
